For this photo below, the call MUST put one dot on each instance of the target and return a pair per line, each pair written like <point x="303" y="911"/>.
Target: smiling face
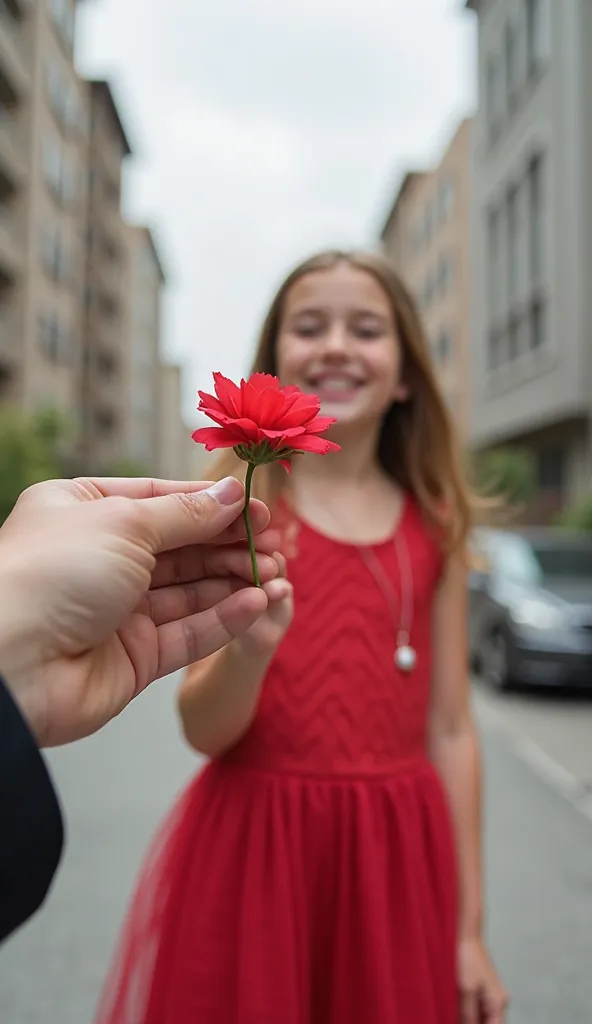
<point x="337" y="339"/>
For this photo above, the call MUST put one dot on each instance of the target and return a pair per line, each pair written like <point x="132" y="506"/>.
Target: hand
<point x="263" y="637"/>
<point x="106" y="585"/>
<point x="483" y="999"/>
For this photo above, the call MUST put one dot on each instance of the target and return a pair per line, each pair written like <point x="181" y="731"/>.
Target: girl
<point x="325" y="867"/>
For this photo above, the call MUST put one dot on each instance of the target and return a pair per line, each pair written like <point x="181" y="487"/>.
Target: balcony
<point x="11" y="249"/>
<point x="9" y="342"/>
<point x="13" y="163"/>
<point x="13" y="63"/>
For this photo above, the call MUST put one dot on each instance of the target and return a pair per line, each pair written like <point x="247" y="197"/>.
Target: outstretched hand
<point x="106" y="585"/>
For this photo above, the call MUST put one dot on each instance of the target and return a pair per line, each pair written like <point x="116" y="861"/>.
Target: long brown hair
<point x="418" y="447"/>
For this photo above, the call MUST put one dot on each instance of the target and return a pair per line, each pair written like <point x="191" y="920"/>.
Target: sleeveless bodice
<point x="333" y="701"/>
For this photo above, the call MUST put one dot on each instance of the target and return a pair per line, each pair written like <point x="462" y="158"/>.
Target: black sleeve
<point x="31" y="828"/>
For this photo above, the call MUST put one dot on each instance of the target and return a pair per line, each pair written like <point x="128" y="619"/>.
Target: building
<point x="80" y="291"/>
<point x="103" y="391"/>
<point x="175" y="448"/>
<point x="144" y="280"/>
<point x="427" y="237"/>
<point x="43" y="128"/>
<point x="532" y="236"/>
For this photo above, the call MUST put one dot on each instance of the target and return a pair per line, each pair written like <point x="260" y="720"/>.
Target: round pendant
<point x="405" y="658"/>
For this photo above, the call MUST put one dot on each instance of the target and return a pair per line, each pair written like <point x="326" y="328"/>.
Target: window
<point x="513" y="223"/>
<point x="511" y="62"/>
<point x="55" y="253"/>
<point x="49" y="337"/>
<point x="495" y="348"/>
<point x="62" y="15"/>
<point x="536" y="218"/>
<point x="444" y="274"/>
<point x="538" y="324"/>
<point x="57" y="89"/>
<point x="514" y="338"/>
<point x="493" y="95"/>
<point x="551" y="470"/>
<point x="445" y="199"/>
<point x="536" y="42"/>
<point x="52" y="162"/>
<point x="494" y="248"/>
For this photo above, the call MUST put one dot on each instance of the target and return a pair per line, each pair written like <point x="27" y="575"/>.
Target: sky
<point x="264" y="130"/>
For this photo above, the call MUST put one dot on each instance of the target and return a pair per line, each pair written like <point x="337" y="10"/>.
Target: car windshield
<point x="565" y="560"/>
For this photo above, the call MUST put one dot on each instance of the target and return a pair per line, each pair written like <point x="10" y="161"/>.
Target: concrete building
<point x="175" y="447"/>
<point x="427" y="237"/>
<point x="43" y="128"/>
<point x="532" y="241"/>
<point x="144" y="280"/>
<point x="80" y="291"/>
<point x="103" y="390"/>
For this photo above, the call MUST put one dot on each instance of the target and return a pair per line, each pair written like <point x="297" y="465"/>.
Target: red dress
<point x="309" y="876"/>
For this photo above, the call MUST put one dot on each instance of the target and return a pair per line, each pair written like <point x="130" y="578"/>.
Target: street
<point x="115" y="786"/>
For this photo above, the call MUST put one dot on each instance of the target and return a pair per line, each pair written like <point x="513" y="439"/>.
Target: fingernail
<point x="227" y="491"/>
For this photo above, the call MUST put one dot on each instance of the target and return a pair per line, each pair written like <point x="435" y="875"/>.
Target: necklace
<point x="405" y="656"/>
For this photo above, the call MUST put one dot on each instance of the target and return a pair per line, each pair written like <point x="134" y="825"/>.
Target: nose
<point x="336" y="341"/>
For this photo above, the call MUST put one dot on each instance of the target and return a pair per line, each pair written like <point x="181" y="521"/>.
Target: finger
<point x="281" y="563"/>
<point x="196" y="562"/>
<point x="142" y="487"/>
<point x="189" y="640"/>
<point x="495" y="1007"/>
<point x="168" y="604"/>
<point x="180" y="520"/>
<point x="469" y="1008"/>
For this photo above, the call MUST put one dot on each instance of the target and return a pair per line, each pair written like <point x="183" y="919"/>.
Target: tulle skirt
<point x="282" y="899"/>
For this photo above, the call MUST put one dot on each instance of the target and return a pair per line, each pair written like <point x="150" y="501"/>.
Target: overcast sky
<point x="264" y="130"/>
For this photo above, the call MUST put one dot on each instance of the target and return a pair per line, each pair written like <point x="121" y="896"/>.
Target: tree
<point x="509" y="473"/>
<point x="28" y="454"/>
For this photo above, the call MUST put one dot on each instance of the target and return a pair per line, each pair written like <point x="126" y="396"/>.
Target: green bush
<point x="579" y="515"/>
<point x="28" y="454"/>
<point x="508" y="473"/>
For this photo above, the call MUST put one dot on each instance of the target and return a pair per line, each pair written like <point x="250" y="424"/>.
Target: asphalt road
<point x="539" y="858"/>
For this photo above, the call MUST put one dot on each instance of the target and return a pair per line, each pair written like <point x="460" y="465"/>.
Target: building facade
<point x="427" y="237"/>
<point x="80" y="290"/>
<point x="43" y="127"/>
<point x="144" y="283"/>
<point x="531" y="370"/>
<point x="103" y="392"/>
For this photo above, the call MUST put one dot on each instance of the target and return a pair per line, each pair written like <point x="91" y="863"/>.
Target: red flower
<point x="263" y="421"/>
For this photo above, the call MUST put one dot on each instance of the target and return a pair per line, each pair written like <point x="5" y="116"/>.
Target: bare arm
<point x="218" y="697"/>
<point x="453" y="740"/>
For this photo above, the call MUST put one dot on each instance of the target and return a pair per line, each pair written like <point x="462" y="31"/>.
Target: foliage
<point x="124" y="467"/>
<point x="579" y="515"/>
<point x="28" y="453"/>
<point x="509" y="473"/>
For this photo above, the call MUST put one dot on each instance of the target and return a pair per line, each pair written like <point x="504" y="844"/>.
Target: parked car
<point x="530" y="607"/>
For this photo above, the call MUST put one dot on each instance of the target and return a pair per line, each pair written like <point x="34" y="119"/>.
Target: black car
<point x="530" y="607"/>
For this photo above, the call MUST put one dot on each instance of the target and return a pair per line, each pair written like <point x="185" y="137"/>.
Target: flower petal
<point x="313" y="443"/>
<point x="319" y="424"/>
<point x="213" y="437"/>
<point x="229" y="394"/>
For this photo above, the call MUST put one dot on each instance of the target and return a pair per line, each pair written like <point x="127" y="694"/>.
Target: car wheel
<point x="495" y="660"/>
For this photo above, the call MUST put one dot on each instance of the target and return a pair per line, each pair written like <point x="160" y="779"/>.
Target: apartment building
<point x="103" y="394"/>
<point x="42" y="205"/>
<point x="531" y="371"/>
<point x="175" y="447"/>
<point x="426" y="236"/>
<point x="144" y="281"/>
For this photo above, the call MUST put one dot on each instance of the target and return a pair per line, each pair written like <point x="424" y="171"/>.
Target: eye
<point x="367" y="331"/>
<point x="308" y="329"/>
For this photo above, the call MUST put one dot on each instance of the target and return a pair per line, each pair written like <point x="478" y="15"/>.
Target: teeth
<point x="339" y="384"/>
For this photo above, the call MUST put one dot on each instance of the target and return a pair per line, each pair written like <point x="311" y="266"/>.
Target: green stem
<point x="247" y="518"/>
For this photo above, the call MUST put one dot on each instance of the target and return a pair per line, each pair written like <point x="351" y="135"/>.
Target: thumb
<point x="181" y="520"/>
